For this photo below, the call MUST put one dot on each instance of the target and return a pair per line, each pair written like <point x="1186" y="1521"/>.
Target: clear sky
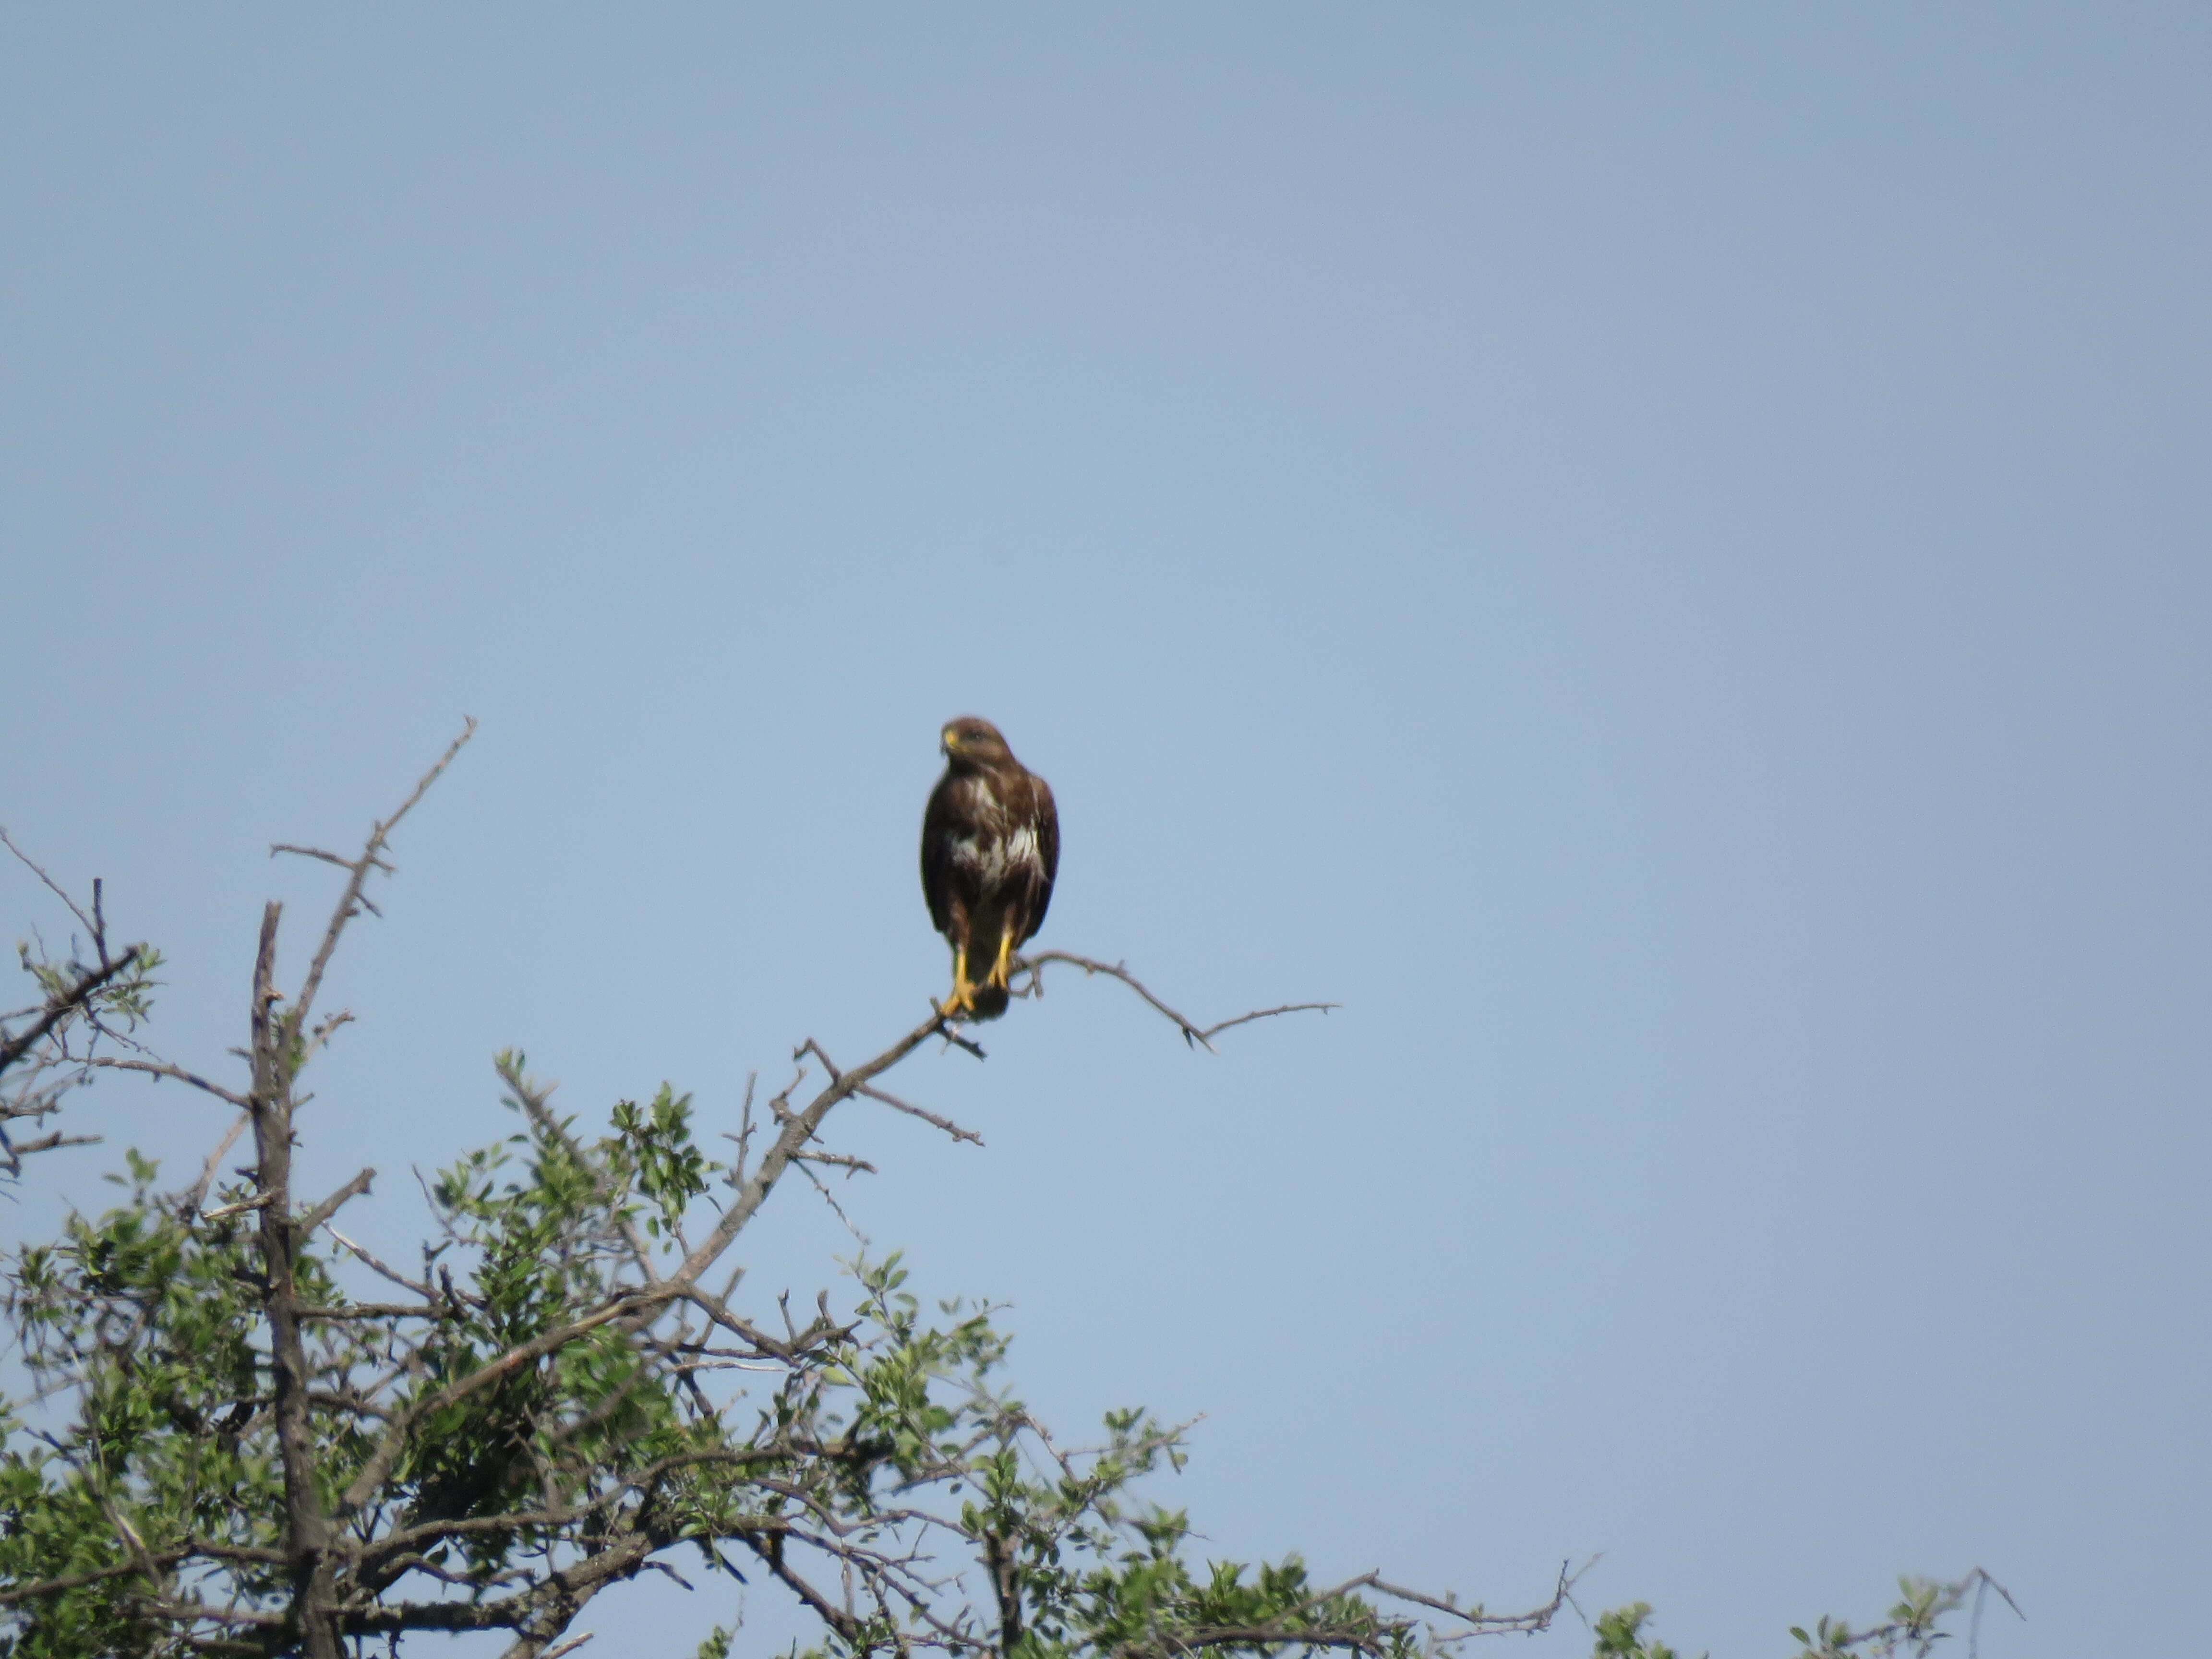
<point x="1657" y="555"/>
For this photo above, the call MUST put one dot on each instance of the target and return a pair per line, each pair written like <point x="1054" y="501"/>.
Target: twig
<point x="1983" y="1583"/>
<point x="1192" y="1032"/>
<point x="798" y="1129"/>
<point x="311" y="852"/>
<point x="805" y="1162"/>
<point x="1486" y="1624"/>
<point x="329" y="1208"/>
<point x="23" y="1149"/>
<point x="841" y="1160"/>
<point x="362" y="1255"/>
<point x="45" y="1587"/>
<point x="912" y="1110"/>
<point x="238" y="1208"/>
<point x="326" y="1028"/>
<point x="371" y="858"/>
<point x="159" y="1068"/>
<point x="873" y="1093"/>
<point x="55" y="887"/>
<point x="951" y="1033"/>
<point x="374" y="1310"/>
<point x="197" y="1193"/>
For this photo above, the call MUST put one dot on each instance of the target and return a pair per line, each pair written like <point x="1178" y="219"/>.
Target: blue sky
<point x="1656" y="555"/>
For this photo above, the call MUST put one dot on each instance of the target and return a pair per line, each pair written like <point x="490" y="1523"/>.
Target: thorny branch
<point x="1193" y="1034"/>
<point x="350" y="902"/>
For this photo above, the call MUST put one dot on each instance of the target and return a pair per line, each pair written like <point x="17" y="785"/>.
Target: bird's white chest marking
<point x="995" y="859"/>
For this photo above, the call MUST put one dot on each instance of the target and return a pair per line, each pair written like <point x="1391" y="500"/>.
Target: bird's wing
<point x="940" y="822"/>
<point x="1046" y="817"/>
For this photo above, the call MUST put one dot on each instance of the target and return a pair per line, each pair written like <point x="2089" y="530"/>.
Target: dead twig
<point x="371" y="857"/>
<point x="1983" y="1584"/>
<point x="91" y="927"/>
<point x="926" y="1116"/>
<point x="841" y="1160"/>
<point x="196" y="1194"/>
<point x="13" y="1150"/>
<point x="238" y="1208"/>
<point x="330" y="1207"/>
<point x="161" y="1068"/>
<point x="362" y="1255"/>
<point x="1193" y="1033"/>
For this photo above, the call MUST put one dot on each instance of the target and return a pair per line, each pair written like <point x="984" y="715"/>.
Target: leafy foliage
<point x="1621" y="1635"/>
<point x="1914" y="1626"/>
<point x="866" y="1448"/>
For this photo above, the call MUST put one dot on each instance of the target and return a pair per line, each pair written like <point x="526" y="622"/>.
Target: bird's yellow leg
<point x="1004" y="966"/>
<point x="962" y="999"/>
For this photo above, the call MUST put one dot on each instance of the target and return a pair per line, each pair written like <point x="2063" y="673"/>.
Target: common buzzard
<point x="990" y="847"/>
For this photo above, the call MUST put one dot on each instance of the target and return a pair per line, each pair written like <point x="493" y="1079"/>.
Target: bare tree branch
<point x="797" y="1131"/>
<point x="91" y="927"/>
<point x="331" y="1206"/>
<point x="196" y="1194"/>
<point x="160" y="1068"/>
<point x="16" y="1150"/>
<point x="327" y="857"/>
<point x="361" y="1255"/>
<point x="1192" y="1032"/>
<point x="371" y="858"/>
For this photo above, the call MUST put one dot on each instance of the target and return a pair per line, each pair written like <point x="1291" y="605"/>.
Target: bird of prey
<point x="990" y="847"/>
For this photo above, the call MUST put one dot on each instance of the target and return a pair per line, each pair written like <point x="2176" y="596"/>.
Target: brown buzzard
<point x="990" y="847"/>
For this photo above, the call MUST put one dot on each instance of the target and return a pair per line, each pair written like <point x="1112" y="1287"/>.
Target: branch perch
<point x="1192" y="1033"/>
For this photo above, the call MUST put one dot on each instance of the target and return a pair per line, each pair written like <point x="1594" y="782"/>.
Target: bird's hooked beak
<point x="948" y="742"/>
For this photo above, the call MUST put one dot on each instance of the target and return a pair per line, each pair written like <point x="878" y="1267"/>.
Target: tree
<point x="244" y="1433"/>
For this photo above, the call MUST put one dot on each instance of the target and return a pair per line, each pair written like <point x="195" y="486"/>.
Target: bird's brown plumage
<point x="990" y="848"/>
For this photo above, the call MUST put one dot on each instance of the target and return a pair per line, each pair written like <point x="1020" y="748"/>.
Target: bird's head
<point x="971" y="741"/>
